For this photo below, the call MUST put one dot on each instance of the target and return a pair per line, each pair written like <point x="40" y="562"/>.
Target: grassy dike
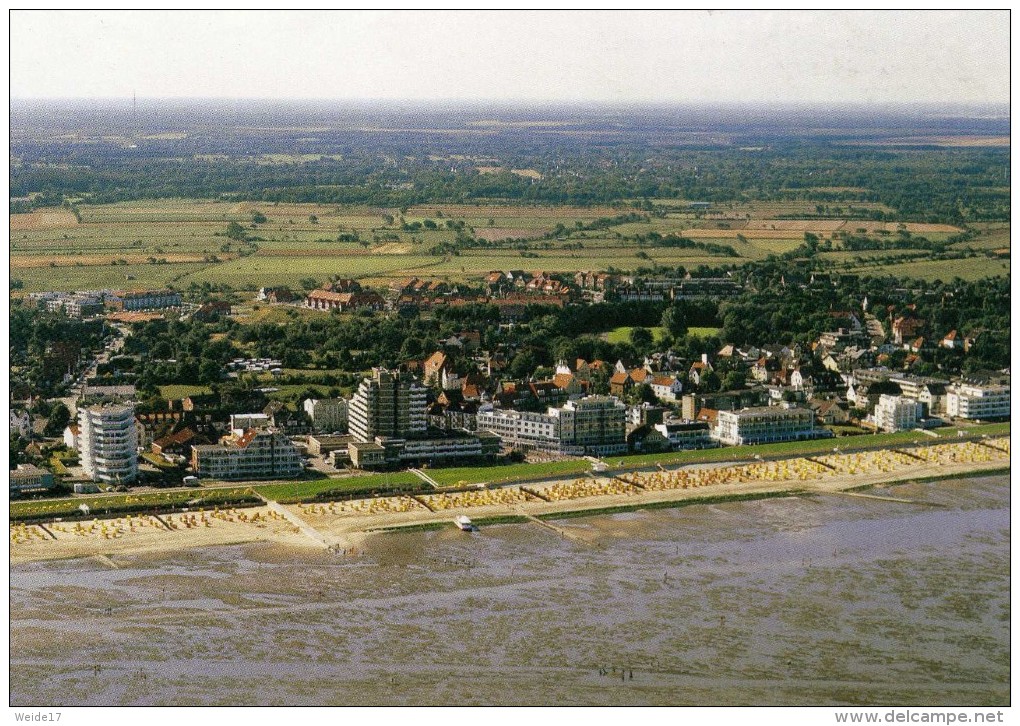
<point x="403" y="482"/>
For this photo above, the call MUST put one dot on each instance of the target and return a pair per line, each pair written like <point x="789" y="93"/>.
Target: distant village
<point x="458" y="405"/>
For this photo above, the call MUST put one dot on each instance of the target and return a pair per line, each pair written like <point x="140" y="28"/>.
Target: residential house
<point x="620" y="384"/>
<point x="21" y="422"/>
<point x="666" y="388"/>
<point x="828" y="413"/>
<point x="699" y="369"/>
<point x="905" y="328"/>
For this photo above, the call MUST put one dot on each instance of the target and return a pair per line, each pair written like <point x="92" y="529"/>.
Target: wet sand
<point x="827" y="599"/>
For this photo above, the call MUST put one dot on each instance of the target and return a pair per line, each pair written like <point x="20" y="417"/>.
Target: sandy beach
<point x="344" y="526"/>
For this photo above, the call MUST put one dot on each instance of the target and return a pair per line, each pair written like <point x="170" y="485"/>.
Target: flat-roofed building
<point x="687" y="435"/>
<point x="767" y="424"/>
<point x="323" y="444"/>
<point x="249" y="421"/>
<point x="146" y="300"/>
<point x="28" y="479"/>
<point x="254" y="453"/>
<point x="109" y="443"/>
<point x="593" y="425"/>
<point x="897" y="413"/>
<point x="327" y="414"/>
<point x="388" y="404"/>
<point x="978" y="401"/>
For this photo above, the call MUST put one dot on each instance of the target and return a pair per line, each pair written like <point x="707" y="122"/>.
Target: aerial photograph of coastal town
<point x="510" y="358"/>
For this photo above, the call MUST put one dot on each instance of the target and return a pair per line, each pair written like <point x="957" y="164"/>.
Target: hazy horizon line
<point x="511" y="101"/>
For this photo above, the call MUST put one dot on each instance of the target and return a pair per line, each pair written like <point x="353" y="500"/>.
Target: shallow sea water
<point x="823" y="600"/>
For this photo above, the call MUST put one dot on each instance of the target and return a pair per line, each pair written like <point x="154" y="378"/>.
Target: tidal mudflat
<point x="823" y="599"/>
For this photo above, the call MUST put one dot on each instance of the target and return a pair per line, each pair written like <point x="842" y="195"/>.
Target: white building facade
<point x="109" y="443"/>
<point x="974" y="401"/>
<point x="327" y="414"/>
<point x="768" y="424"/>
<point x="897" y="413"/>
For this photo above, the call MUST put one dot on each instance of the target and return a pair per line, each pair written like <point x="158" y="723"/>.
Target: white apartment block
<point x="897" y="413"/>
<point x="767" y="424"/>
<point x="388" y="404"/>
<point x="696" y="435"/>
<point x="243" y="421"/>
<point x="255" y="453"/>
<point x="968" y="400"/>
<point x="109" y="443"/>
<point x="327" y="414"/>
<point x="594" y="425"/>
<point x="521" y="429"/>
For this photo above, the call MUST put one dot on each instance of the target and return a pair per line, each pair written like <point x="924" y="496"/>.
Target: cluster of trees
<point x="45" y="346"/>
<point x="953" y="185"/>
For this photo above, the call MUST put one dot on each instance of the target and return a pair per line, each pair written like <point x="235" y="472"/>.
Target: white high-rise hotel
<point x="109" y="443"/>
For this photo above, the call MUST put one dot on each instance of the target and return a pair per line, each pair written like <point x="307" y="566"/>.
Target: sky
<point x="565" y="56"/>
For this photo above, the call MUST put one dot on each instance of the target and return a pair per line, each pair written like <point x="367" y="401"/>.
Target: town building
<point x="591" y="425"/>
<point x="666" y="388"/>
<point x="30" y="479"/>
<point x="109" y="443"/>
<point x="72" y="433"/>
<point x="897" y="413"/>
<point x="76" y="305"/>
<point x="145" y="300"/>
<point x="327" y="414"/>
<point x="438" y="447"/>
<point x="253" y="453"/>
<point x="388" y="404"/>
<point x="978" y="400"/>
<point x="767" y="424"/>
<point x="687" y="434"/>
<point x="21" y="422"/>
<point x="325" y="444"/>
<point x="249" y="421"/>
<point x="343" y="301"/>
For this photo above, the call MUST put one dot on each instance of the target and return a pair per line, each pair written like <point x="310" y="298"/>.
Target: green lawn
<point x="175" y="392"/>
<point x="304" y="491"/>
<point x="995" y="429"/>
<point x="622" y="334"/>
<point x="703" y="332"/>
<point x="467" y="475"/>
<point x="124" y="503"/>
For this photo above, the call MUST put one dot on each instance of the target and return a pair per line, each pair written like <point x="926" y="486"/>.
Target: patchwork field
<point x="179" y="242"/>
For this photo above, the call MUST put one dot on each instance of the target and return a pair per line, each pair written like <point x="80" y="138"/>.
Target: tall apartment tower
<point x="109" y="443"/>
<point x="388" y="404"/>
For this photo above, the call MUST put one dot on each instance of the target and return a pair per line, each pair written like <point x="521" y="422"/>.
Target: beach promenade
<point x="343" y="526"/>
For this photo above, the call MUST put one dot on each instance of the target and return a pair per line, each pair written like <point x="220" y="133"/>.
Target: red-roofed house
<point x="666" y="388"/>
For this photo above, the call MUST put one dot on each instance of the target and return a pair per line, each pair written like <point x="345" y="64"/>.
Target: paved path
<point x="306" y="529"/>
<point x="425" y="478"/>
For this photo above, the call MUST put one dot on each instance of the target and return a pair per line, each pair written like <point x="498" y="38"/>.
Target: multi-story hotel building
<point x="977" y="401"/>
<point x="109" y="443"/>
<point x="594" y="425"/>
<point x="388" y="404"/>
<point x="767" y="424"/>
<point x="254" y="453"/>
